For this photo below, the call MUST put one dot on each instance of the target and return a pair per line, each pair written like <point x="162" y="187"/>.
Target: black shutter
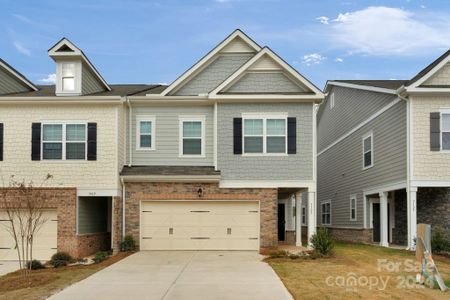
<point x="292" y="135"/>
<point x="36" y="141"/>
<point x="1" y="141"/>
<point x="435" y="131"/>
<point x="237" y="135"/>
<point x="92" y="141"/>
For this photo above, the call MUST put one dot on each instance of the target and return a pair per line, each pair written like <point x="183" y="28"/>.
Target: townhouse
<point x="222" y="158"/>
<point x="383" y="156"/>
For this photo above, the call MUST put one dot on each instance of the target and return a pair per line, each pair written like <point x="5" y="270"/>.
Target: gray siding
<point x="10" y="84"/>
<point x="351" y="108"/>
<point x="89" y="82"/>
<point x="214" y="74"/>
<point x="167" y="135"/>
<point x="265" y="83"/>
<point x="93" y="214"/>
<point x="292" y="167"/>
<point x="340" y="169"/>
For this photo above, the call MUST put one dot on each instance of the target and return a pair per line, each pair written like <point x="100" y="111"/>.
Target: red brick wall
<point x="135" y="192"/>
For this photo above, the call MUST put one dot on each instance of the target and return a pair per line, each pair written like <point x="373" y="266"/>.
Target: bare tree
<point x="24" y="205"/>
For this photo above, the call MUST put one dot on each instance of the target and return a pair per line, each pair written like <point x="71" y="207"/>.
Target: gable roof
<point x="65" y="48"/>
<point x="17" y="74"/>
<point x="431" y="68"/>
<point x="237" y="34"/>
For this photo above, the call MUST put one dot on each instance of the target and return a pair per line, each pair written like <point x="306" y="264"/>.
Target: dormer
<point x="75" y="74"/>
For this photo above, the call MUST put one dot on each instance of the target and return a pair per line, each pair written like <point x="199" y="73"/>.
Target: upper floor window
<point x="445" y="132"/>
<point x="68" y="76"/>
<point x="326" y="213"/>
<point x="368" y="151"/>
<point x="64" y="141"/>
<point x="192" y="136"/>
<point x="331" y="100"/>
<point x="265" y="135"/>
<point x="145" y="133"/>
<point x="353" y="208"/>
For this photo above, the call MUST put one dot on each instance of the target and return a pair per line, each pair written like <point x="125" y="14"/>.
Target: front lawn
<point x="50" y="280"/>
<point x="358" y="272"/>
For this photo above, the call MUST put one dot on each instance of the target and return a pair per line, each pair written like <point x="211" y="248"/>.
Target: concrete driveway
<point x="8" y="267"/>
<point x="182" y="275"/>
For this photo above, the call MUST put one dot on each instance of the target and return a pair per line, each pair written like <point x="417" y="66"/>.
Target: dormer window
<point x="68" y="77"/>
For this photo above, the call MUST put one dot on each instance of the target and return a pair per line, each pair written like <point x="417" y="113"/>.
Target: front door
<point x="377" y="222"/>
<point x="281" y="222"/>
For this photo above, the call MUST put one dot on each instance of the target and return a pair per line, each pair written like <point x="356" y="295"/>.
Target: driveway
<point x="182" y="275"/>
<point x="8" y="267"/>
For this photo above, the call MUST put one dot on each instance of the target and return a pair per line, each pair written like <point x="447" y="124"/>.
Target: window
<point x="303" y="215"/>
<point x="145" y="133"/>
<point x="331" y="100"/>
<point x="68" y="76"/>
<point x="368" y="151"/>
<point x="61" y="141"/>
<point x="192" y="136"/>
<point x="353" y="208"/>
<point x="326" y="213"/>
<point x="265" y="135"/>
<point x="445" y="131"/>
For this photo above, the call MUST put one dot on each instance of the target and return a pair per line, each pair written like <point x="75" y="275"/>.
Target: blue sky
<point x="142" y="41"/>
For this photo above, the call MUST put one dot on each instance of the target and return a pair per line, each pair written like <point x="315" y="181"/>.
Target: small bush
<point x="60" y="259"/>
<point x="58" y="263"/>
<point x="440" y="240"/>
<point x="278" y="254"/>
<point x="128" y="244"/>
<point x="35" y="265"/>
<point x="100" y="256"/>
<point x="322" y="242"/>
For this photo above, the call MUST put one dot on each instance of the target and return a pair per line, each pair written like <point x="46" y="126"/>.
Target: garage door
<point x="199" y="225"/>
<point x="44" y="242"/>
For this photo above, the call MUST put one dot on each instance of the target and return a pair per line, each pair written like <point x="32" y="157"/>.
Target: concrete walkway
<point x="182" y="275"/>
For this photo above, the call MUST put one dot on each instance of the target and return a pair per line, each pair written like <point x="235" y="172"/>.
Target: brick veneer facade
<point x="137" y="192"/>
<point x="64" y="201"/>
<point x="355" y="235"/>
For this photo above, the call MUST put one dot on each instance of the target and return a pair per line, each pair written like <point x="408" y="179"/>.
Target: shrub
<point x="322" y="242"/>
<point x="440" y="240"/>
<point x="278" y="254"/>
<point x="60" y="259"/>
<point x="58" y="263"/>
<point x="128" y="244"/>
<point x="100" y="256"/>
<point x="35" y="265"/>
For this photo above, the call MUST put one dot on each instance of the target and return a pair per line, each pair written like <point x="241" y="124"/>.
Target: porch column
<point x="412" y="217"/>
<point x="384" y="220"/>
<point x="298" y="219"/>
<point x="312" y="215"/>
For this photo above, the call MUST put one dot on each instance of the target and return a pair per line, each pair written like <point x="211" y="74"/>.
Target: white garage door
<point x="44" y="244"/>
<point x="199" y="225"/>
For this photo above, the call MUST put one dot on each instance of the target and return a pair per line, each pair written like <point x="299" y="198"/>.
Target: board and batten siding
<point x="297" y="166"/>
<point x="89" y="83"/>
<point x="9" y="84"/>
<point x="340" y="171"/>
<point x="351" y="108"/>
<point x="167" y="133"/>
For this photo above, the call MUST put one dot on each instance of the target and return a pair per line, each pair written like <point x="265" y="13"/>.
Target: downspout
<point x="123" y="207"/>
<point x="130" y="160"/>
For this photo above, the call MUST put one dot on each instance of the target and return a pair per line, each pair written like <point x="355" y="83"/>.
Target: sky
<point x="145" y="41"/>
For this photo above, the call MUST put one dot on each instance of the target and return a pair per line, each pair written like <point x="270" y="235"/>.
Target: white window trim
<point x="303" y="216"/>
<point x="370" y="134"/>
<point x="443" y="111"/>
<point x="63" y="140"/>
<point x="264" y="117"/>
<point x="332" y="101"/>
<point x="182" y="119"/>
<point x="353" y="197"/>
<point x="322" y="212"/>
<point x="145" y="118"/>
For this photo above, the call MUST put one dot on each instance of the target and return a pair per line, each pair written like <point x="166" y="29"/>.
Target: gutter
<point x="170" y="178"/>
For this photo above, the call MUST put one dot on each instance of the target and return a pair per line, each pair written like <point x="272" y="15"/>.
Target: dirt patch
<point x="18" y="282"/>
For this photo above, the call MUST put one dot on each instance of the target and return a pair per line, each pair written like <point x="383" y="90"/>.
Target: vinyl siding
<point x="291" y="167"/>
<point x="89" y="83"/>
<point x="351" y="108"/>
<point x="441" y="77"/>
<point x="340" y="169"/>
<point x="167" y="135"/>
<point x="265" y="83"/>
<point x="10" y="84"/>
<point x="214" y="74"/>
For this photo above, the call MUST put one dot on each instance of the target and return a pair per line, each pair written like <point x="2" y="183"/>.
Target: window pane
<point x="68" y="70"/>
<point x="253" y="145"/>
<point x="367" y="144"/>
<point x="75" y="150"/>
<point x="446" y="140"/>
<point x="68" y="84"/>
<point x="52" y="132"/>
<point x="192" y="146"/>
<point x="192" y="129"/>
<point x="76" y="132"/>
<point x="445" y="122"/>
<point x="146" y="141"/>
<point x="146" y="127"/>
<point x="276" y="144"/>
<point x="253" y="127"/>
<point x="367" y="159"/>
<point x="276" y="127"/>
<point x="353" y="214"/>
<point x="52" y="151"/>
<point x="328" y="219"/>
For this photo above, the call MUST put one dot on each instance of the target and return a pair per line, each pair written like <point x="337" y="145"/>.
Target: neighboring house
<point x="216" y="160"/>
<point x="383" y="164"/>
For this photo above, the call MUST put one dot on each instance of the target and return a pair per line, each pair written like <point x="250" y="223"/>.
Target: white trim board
<point x="430" y="183"/>
<point x="360" y="87"/>
<point x="385" y="188"/>
<point x="88" y="192"/>
<point x="16" y="74"/>
<point x="310" y="185"/>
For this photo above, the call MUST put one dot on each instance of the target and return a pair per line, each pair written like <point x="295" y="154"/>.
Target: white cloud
<point x="323" y="20"/>
<point x="21" y="48"/>
<point x="51" y="78"/>
<point x="338" y="59"/>
<point x="312" y="59"/>
<point x="389" y="31"/>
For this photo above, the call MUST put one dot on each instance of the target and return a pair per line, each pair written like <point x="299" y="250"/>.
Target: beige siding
<point x="427" y="165"/>
<point x="441" y="77"/>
